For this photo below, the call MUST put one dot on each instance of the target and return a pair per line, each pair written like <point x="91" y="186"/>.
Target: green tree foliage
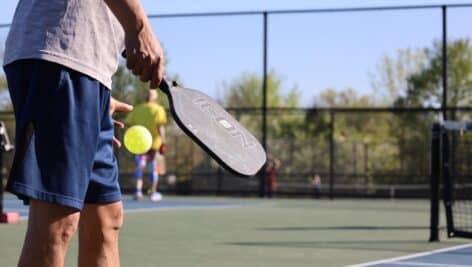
<point x="391" y="79"/>
<point x="357" y="126"/>
<point x="246" y="92"/>
<point x="424" y="89"/>
<point x="286" y="129"/>
<point x="359" y="137"/>
<point x="344" y="98"/>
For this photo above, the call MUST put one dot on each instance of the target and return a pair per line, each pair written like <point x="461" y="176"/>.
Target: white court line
<point x="157" y="208"/>
<point x="132" y="210"/>
<point x="392" y="260"/>
<point x="419" y="264"/>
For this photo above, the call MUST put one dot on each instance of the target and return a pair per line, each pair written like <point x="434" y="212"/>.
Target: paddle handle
<point x="165" y="86"/>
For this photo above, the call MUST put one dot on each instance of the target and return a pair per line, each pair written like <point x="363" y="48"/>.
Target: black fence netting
<point x="354" y="152"/>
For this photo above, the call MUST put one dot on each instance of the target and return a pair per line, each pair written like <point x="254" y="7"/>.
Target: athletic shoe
<point x="156" y="196"/>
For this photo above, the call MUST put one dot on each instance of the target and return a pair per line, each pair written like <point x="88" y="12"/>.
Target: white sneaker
<point x="156" y="196"/>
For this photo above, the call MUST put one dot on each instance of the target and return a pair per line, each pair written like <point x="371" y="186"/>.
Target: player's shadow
<point x="404" y="246"/>
<point x="344" y="228"/>
<point x="407" y="246"/>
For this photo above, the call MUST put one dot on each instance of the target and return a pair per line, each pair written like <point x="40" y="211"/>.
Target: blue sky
<point x="310" y="51"/>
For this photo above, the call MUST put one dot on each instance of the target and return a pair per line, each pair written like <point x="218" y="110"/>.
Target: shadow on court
<point x="401" y="246"/>
<point x="344" y="228"/>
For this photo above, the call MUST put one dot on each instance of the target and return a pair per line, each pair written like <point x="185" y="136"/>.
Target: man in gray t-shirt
<point x="59" y="59"/>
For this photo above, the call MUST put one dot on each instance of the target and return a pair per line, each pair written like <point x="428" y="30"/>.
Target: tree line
<point x="370" y="148"/>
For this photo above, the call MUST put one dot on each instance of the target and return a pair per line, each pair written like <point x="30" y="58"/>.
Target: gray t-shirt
<point x="83" y="35"/>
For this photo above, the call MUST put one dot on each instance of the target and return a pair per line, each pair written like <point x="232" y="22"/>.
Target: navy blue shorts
<point x="64" y="136"/>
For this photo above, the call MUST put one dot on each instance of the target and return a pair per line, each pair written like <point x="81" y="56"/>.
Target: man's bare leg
<point x="98" y="234"/>
<point x="50" y="229"/>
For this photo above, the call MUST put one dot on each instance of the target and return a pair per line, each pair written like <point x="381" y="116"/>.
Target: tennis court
<point x="454" y="256"/>
<point x="214" y="231"/>
<point x="366" y="112"/>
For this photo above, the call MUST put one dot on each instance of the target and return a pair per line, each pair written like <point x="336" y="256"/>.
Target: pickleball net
<point x="451" y="164"/>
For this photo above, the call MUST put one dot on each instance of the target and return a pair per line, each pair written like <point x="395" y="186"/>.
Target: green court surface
<point x="254" y="232"/>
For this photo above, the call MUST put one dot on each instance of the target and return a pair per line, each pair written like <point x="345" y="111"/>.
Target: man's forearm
<point x="144" y="54"/>
<point x="129" y="13"/>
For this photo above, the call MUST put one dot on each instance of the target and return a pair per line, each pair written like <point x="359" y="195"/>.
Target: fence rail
<point x="331" y="142"/>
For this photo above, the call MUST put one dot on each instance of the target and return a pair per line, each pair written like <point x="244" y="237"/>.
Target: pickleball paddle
<point x="214" y="129"/>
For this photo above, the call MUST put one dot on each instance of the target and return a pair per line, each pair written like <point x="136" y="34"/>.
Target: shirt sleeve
<point x="161" y="117"/>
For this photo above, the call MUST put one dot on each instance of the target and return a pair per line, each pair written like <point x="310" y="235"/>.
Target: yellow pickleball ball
<point x="138" y="139"/>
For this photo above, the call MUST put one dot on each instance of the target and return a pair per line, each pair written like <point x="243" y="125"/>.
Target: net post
<point x="434" y="182"/>
<point x="446" y="181"/>
<point x="455" y="180"/>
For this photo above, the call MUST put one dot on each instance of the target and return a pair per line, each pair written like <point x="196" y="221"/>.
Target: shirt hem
<point x="67" y="62"/>
<point x="24" y="192"/>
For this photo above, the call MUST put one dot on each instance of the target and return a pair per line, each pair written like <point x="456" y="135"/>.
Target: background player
<point x="271" y="167"/>
<point x="152" y="116"/>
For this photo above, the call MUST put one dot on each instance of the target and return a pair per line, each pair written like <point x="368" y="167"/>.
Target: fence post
<point x="262" y="180"/>
<point x="444" y="62"/>
<point x="434" y="182"/>
<point x="331" y="154"/>
<point x="366" y="166"/>
<point x="354" y="159"/>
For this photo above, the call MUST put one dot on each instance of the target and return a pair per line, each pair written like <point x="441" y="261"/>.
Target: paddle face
<point x="215" y="130"/>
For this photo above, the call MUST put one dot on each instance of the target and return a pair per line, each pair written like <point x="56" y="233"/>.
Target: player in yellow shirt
<point x="152" y="116"/>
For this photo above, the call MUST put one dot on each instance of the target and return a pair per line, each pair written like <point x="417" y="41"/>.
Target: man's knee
<point x="114" y="221"/>
<point x="64" y="229"/>
<point x="61" y="222"/>
<point x="102" y="221"/>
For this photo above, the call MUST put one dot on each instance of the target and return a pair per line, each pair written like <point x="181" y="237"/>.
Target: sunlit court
<point x="236" y="134"/>
<point x="211" y="231"/>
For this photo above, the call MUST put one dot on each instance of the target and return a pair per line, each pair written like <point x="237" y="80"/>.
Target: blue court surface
<point x="12" y="204"/>
<point x="458" y="256"/>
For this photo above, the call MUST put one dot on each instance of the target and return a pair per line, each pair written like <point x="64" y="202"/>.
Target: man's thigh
<point x="46" y="219"/>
